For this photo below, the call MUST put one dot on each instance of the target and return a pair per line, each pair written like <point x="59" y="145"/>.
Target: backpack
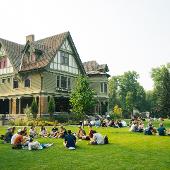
<point x="106" y="140"/>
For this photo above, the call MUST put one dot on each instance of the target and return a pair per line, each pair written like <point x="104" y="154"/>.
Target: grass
<point x="126" y="151"/>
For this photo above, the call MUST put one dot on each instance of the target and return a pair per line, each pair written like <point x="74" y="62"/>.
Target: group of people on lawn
<point x="138" y="126"/>
<point x="25" y="140"/>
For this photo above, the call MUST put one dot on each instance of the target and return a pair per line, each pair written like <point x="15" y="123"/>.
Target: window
<point x="103" y="87"/>
<point x="27" y="82"/>
<point x="58" y="81"/>
<point x="69" y="83"/>
<point x="9" y="80"/>
<point x="64" y="57"/>
<point x="3" y="80"/>
<point x="63" y="82"/>
<point x="15" y="84"/>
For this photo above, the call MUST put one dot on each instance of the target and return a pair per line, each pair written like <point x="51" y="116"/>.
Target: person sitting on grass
<point x="81" y="133"/>
<point x="140" y="127"/>
<point x="90" y="132"/>
<point x="18" y="141"/>
<point x="161" y="130"/>
<point x="70" y="140"/>
<point x="54" y="132"/>
<point x="168" y="132"/>
<point x="62" y="133"/>
<point x="149" y="129"/>
<point x="8" y="135"/>
<point x="97" y="139"/>
<point x="24" y="131"/>
<point x="32" y="132"/>
<point x="133" y="127"/>
<point x="35" y="145"/>
<point x="43" y="132"/>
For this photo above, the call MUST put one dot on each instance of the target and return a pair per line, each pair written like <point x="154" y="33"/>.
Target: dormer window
<point x="27" y="82"/>
<point x="64" y="58"/>
<point x="2" y="51"/>
<point x="15" y="84"/>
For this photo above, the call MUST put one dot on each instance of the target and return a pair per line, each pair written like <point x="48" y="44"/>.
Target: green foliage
<point x="126" y="91"/>
<point x="129" y="102"/>
<point x="51" y="106"/>
<point x="113" y="92"/>
<point x="161" y="78"/>
<point x="27" y="111"/>
<point x="151" y="104"/>
<point x="82" y="98"/>
<point x="31" y="122"/>
<point x="19" y="121"/>
<point x="34" y="108"/>
<point x="117" y="112"/>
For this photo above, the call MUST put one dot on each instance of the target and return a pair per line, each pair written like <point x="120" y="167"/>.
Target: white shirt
<point x="34" y="145"/>
<point x="32" y="132"/>
<point x="13" y="138"/>
<point x="98" y="138"/>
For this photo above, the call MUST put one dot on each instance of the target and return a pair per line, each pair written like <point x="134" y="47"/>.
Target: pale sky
<point x="126" y="35"/>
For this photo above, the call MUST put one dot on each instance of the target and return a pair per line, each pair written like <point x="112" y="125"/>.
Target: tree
<point x="82" y="98"/>
<point x="129" y="103"/>
<point x="151" y="103"/>
<point x="132" y="94"/>
<point x="34" y="108"/>
<point x="117" y="111"/>
<point x="161" y="78"/>
<point x="113" y="92"/>
<point x="51" y="106"/>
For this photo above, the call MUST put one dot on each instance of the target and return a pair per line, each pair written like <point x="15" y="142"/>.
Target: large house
<point x="98" y="80"/>
<point x="39" y="69"/>
<point x="43" y="68"/>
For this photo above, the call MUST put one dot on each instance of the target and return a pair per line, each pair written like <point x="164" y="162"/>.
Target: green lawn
<point x="126" y="151"/>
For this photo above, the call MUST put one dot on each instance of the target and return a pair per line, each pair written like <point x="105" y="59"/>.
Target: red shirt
<point x="18" y="139"/>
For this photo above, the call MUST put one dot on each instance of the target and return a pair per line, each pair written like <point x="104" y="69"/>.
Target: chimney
<point x="30" y="38"/>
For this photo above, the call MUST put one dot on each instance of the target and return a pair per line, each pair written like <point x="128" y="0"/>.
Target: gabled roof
<point x="13" y="51"/>
<point x="92" y="66"/>
<point x="48" y="46"/>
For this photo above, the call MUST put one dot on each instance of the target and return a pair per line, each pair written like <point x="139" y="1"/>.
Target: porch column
<point x="19" y="107"/>
<point x="10" y="105"/>
<point x="43" y="105"/>
<point x="107" y="106"/>
<point x="14" y="106"/>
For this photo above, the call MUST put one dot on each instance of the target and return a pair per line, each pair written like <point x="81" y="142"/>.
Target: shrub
<point x="27" y="111"/>
<point x="34" y="108"/>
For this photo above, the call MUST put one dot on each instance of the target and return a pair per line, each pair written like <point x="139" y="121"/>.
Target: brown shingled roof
<point x="93" y="66"/>
<point x="48" y="46"/>
<point x="14" y="52"/>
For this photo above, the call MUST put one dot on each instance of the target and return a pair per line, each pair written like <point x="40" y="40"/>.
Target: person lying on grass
<point x="35" y="145"/>
<point x="70" y="140"/>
